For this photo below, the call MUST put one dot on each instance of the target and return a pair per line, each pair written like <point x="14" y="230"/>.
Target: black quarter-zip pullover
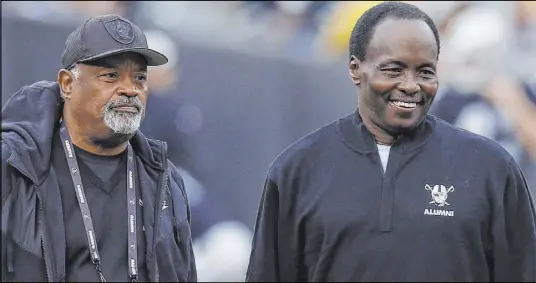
<point x="451" y="206"/>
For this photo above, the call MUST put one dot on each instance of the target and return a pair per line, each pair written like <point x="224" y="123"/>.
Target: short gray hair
<point x="75" y="71"/>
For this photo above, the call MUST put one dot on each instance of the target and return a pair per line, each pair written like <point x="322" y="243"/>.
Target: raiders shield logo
<point x="120" y="30"/>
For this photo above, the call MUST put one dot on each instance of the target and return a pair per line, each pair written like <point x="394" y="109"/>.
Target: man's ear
<point x="354" y="70"/>
<point x="65" y="80"/>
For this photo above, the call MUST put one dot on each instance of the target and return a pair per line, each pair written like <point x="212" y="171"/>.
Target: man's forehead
<point x="120" y="60"/>
<point x="393" y="35"/>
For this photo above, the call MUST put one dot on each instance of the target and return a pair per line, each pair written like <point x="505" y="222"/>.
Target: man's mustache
<point x="125" y="101"/>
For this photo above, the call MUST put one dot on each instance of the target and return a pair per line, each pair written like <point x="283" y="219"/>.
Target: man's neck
<point x="82" y="138"/>
<point x="380" y="136"/>
<point x="87" y="145"/>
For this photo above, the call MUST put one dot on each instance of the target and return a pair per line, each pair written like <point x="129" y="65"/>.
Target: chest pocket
<point x="172" y="251"/>
<point x="21" y="231"/>
<point x="20" y="217"/>
<point x="173" y="211"/>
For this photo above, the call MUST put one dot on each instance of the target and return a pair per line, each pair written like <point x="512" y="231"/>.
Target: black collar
<point x="358" y="138"/>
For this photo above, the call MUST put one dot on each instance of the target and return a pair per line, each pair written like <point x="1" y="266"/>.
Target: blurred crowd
<point x="303" y="29"/>
<point x="486" y="71"/>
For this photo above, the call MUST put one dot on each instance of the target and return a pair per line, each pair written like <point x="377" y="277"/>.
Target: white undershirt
<point x="383" y="150"/>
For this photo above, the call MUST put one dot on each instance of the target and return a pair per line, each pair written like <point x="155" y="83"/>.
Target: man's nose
<point x="409" y="85"/>
<point x="129" y="88"/>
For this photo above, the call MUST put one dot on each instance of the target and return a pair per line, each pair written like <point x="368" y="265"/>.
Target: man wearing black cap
<point x="85" y="195"/>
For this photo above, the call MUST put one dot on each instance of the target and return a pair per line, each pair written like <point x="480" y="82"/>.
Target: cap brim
<point x="154" y="58"/>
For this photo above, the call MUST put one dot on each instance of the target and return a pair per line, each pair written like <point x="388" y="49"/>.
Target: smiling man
<point x="390" y="193"/>
<point x="85" y="195"/>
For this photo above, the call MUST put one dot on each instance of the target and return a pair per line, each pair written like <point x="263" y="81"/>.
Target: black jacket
<point x="329" y="212"/>
<point x="33" y="232"/>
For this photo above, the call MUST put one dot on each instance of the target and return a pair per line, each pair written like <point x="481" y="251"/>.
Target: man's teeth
<point x="405" y="104"/>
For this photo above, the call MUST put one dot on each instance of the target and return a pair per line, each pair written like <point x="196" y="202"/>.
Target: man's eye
<point x="428" y="74"/>
<point x="110" y="75"/>
<point x="392" y="71"/>
<point x="141" y="78"/>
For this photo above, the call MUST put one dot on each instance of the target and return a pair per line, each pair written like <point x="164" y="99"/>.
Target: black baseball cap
<point x="104" y="36"/>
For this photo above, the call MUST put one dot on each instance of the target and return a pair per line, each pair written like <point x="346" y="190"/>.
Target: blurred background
<point x="248" y="78"/>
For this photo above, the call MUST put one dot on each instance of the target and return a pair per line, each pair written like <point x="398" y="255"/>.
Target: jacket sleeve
<point x="6" y="180"/>
<point x="514" y="232"/>
<point x="6" y="190"/>
<point x="186" y="243"/>
<point x="267" y="263"/>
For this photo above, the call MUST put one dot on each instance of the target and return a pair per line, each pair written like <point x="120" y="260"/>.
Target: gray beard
<point x="123" y="123"/>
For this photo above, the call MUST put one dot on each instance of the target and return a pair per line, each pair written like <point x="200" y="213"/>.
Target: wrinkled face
<point x="109" y="95"/>
<point x="397" y="80"/>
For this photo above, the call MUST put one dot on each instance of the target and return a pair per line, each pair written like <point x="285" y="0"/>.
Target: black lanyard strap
<point x="86" y="215"/>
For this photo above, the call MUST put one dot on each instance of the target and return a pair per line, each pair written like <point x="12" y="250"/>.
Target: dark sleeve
<point x="186" y="235"/>
<point x="6" y="180"/>
<point x="514" y="232"/>
<point x="6" y="189"/>
<point x="265" y="260"/>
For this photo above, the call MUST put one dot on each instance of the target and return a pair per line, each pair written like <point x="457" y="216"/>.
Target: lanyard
<point x="86" y="215"/>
